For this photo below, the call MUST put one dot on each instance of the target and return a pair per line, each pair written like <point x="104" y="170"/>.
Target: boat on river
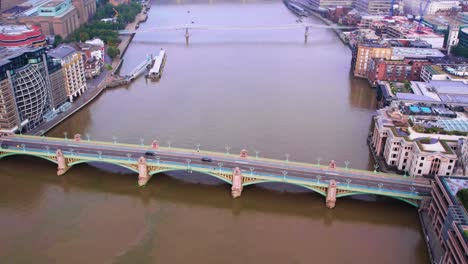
<point x="295" y="8"/>
<point x="156" y="71"/>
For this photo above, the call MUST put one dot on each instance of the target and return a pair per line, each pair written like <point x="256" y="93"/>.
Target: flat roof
<point x="416" y="52"/>
<point x="61" y="51"/>
<point x="53" y="3"/>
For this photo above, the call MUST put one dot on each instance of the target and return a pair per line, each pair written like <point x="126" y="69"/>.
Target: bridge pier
<point x="331" y="194"/>
<point x="143" y="176"/>
<point x="61" y="163"/>
<point x="236" y="189"/>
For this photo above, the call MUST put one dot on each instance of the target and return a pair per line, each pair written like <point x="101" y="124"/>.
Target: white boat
<point x="158" y="66"/>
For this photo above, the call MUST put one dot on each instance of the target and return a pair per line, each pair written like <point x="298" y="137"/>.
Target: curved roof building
<point x="21" y="36"/>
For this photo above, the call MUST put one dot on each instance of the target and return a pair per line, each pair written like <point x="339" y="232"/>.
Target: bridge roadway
<point x="420" y="186"/>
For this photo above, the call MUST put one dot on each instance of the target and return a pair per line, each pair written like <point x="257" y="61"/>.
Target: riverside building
<point x="73" y="69"/>
<point x="25" y="88"/>
<point x="403" y="139"/>
<point x="58" y="17"/>
<point x="445" y="221"/>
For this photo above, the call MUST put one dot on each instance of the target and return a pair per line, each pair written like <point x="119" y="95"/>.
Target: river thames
<point x="263" y="90"/>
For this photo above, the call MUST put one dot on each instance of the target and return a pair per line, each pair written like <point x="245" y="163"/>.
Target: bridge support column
<point x="236" y="189"/>
<point x="61" y="163"/>
<point x="331" y="194"/>
<point x="143" y="176"/>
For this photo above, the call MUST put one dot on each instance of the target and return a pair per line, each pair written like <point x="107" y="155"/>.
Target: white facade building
<point x="73" y="69"/>
<point x="404" y="149"/>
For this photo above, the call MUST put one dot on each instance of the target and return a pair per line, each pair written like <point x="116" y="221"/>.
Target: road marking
<point x="242" y="162"/>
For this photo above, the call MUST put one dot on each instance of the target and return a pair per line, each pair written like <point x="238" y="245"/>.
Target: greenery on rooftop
<point x="438" y="130"/>
<point x="463" y="197"/>
<point x="401" y="88"/>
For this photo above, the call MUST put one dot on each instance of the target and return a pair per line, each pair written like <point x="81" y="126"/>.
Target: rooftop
<point x="16" y="29"/>
<point x="416" y="52"/>
<point x="61" y="51"/>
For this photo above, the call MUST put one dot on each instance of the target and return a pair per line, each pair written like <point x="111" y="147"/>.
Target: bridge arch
<point x="27" y="154"/>
<point x="312" y="188"/>
<point x="71" y="164"/>
<point x="151" y="173"/>
<point x="408" y="201"/>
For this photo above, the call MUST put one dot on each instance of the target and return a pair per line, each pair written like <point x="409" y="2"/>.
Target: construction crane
<point x="392" y="12"/>
<point x="422" y="12"/>
<point x="116" y="13"/>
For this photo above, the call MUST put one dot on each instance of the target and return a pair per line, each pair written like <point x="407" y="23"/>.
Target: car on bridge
<point x="207" y="159"/>
<point x="150" y="153"/>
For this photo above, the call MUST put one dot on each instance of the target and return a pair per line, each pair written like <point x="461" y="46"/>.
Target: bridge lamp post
<point x="198" y="147"/>
<point x="380" y="186"/>
<point x="256" y="153"/>
<point x="88" y="137"/>
<point x="169" y="143"/>
<point x="251" y="171"/>
<point x="318" y="161"/>
<point x="71" y="151"/>
<point x="287" y="157"/>
<point x="100" y="154"/>
<point x="114" y="139"/>
<point x="158" y="159"/>
<point x="142" y="140"/>
<point x="23" y="146"/>
<point x="376" y="166"/>
<point x="129" y="156"/>
<point x="413" y="190"/>
<point x="220" y="165"/>
<point x="47" y="149"/>
<point x="348" y="181"/>
<point x="346" y="163"/>
<point x="65" y="135"/>
<point x="406" y="174"/>
<point x="284" y="175"/>
<point x="227" y="149"/>
<point x="188" y="164"/>
<point x="318" y="178"/>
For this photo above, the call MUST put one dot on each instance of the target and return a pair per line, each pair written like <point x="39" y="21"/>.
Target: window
<point x="420" y="164"/>
<point x="449" y="167"/>
<point x="395" y="149"/>
<point x="419" y="171"/>
<point x="404" y="161"/>
<point x="394" y="156"/>
<point x="448" y="173"/>
<point x="422" y="158"/>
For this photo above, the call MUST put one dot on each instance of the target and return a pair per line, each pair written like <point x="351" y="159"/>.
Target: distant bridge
<point x="236" y="170"/>
<point x="188" y="27"/>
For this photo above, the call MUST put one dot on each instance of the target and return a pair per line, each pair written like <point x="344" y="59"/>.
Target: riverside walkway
<point x="237" y="170"/>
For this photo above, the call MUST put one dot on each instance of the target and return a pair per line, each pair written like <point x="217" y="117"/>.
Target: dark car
<point x="150" y="153"/>
<point x="207" y="159"/>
